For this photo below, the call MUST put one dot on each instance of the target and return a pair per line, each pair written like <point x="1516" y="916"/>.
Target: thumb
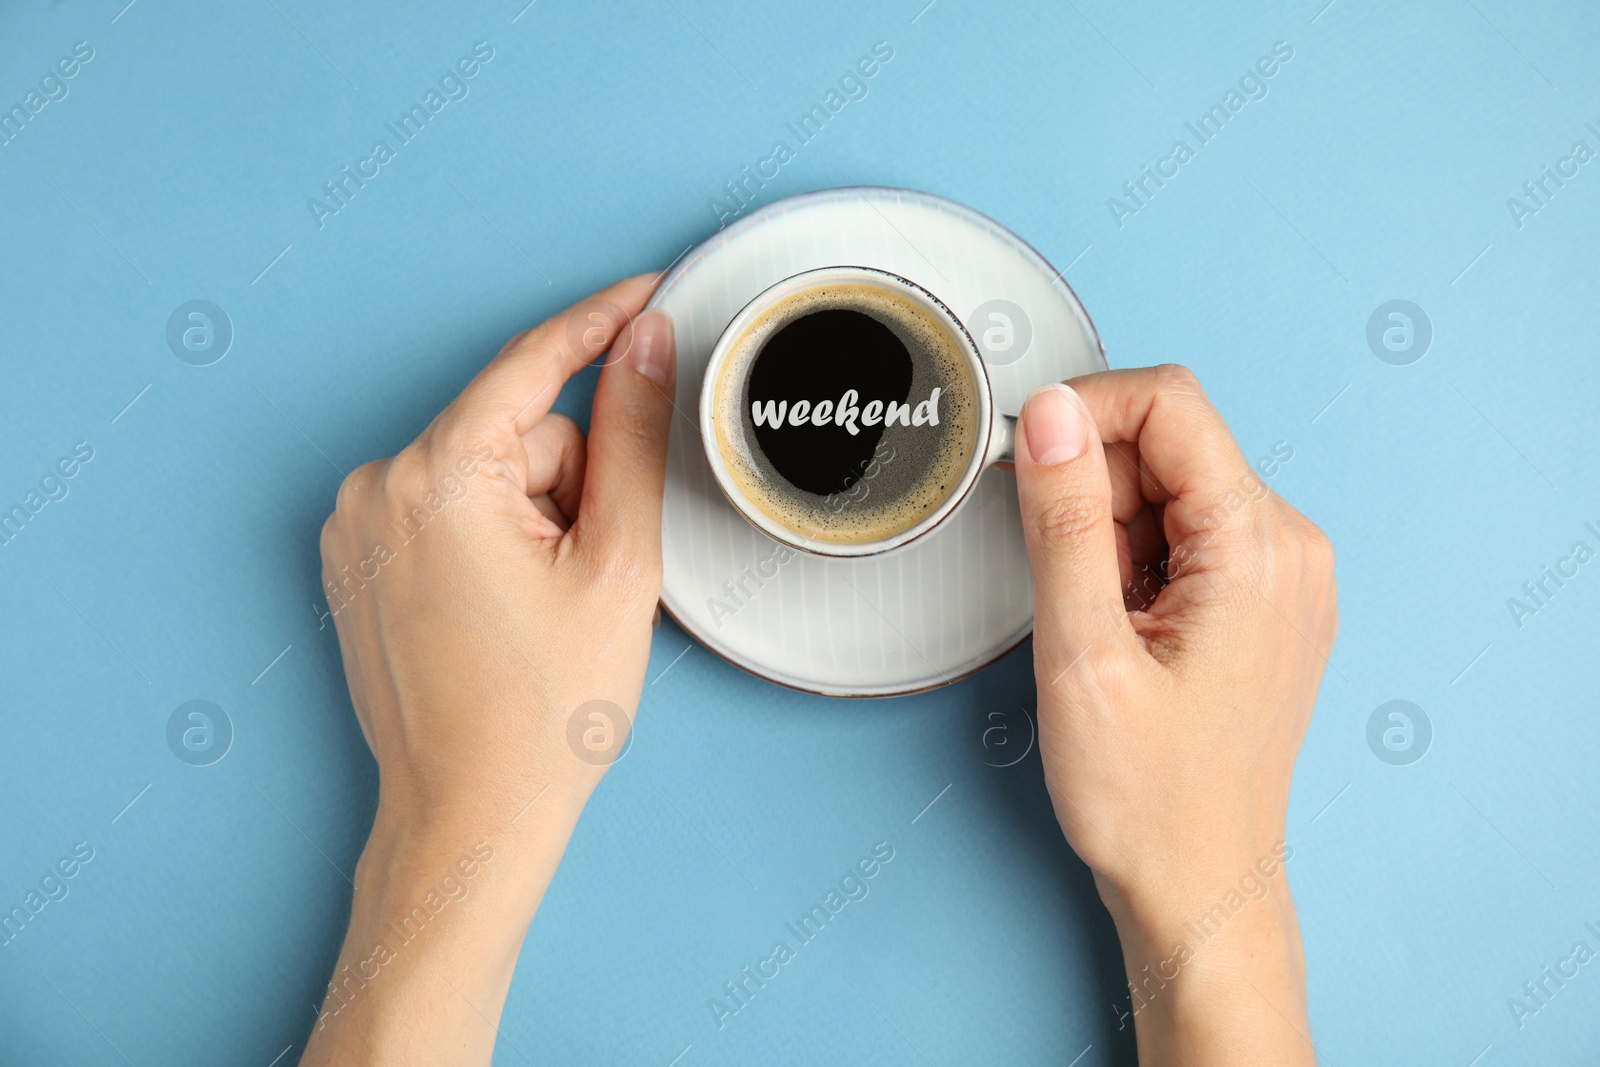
<point x="1065" y="494"/>
<point x="627" y="452"/>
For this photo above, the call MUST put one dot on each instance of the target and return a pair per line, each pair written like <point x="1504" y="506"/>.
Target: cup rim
<point x="789" y="286"/>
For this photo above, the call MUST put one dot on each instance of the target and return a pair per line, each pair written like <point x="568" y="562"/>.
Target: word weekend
<point x="845" y="413"/>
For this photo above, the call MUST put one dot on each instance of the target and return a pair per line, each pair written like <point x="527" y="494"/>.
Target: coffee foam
<point x="917" y="468"/>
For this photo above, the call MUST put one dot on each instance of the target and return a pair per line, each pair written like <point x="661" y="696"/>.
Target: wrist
<point x="1215" y="974"/>
<point x="1196" y="894"/>
<point x="442" y="903"/>
<point x="422" y="891"/>
<point x="501" y="859"/>
<point x="1203" y="938"/>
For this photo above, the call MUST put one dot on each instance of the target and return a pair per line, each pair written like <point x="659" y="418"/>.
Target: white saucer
<point x="922" y="615"/>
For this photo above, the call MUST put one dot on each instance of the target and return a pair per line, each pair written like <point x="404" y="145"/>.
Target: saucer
<point x="919" y="616"/>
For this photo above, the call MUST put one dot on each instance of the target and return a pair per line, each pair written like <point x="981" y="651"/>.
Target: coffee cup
<point x="846" y="411"/>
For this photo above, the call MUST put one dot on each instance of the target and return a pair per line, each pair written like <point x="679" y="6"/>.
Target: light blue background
<point x="185" y="557"/>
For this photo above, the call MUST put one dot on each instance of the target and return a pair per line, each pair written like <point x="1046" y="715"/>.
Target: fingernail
<point x="1053" y="425"/>
<point x="650" y="350"/>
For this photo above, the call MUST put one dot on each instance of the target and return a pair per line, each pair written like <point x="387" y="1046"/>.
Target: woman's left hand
<point x="493" y="587"/>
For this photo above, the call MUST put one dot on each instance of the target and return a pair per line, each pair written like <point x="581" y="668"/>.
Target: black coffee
<point x="854" y="412"/>
<point x="825" y="354"/>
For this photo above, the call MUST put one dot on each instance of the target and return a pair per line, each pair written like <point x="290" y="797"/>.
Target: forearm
<point x="1210" y="986"/>
<point x="437" y="920"/>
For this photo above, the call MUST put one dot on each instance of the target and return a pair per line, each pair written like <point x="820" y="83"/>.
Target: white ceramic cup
<point x="996" y="430"/>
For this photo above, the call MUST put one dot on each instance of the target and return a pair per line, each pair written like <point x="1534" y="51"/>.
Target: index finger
<point x="1187" y="458"/>
<point x="517" y="387"/>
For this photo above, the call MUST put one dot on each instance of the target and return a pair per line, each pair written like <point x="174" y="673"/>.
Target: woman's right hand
<point x="1184" y="614"/>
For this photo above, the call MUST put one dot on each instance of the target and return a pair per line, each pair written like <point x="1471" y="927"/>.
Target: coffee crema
<point x="846" y="413"/>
